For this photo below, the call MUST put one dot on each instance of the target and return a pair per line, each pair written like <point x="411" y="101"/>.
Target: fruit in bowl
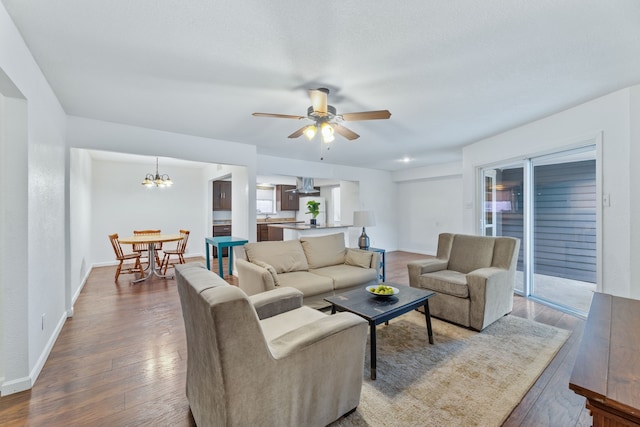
<point x="381" y="290"/>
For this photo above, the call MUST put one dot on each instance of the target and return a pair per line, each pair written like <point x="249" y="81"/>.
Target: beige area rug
<point x="465" y="379"/>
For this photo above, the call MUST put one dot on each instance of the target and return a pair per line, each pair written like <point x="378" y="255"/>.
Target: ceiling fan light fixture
<point x="310" y="132"/>
<point x="327" y="133"/>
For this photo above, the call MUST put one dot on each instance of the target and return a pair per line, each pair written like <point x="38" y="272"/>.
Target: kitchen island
<point x="296" y="230"/>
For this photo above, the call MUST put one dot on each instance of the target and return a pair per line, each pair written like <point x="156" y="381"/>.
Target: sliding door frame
<point x="525" y="161"/>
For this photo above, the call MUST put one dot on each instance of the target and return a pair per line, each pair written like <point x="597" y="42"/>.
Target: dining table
<point x="151" y="240"/>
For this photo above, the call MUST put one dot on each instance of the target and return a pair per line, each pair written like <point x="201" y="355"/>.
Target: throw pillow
<point x="358" y="258"/>
<point x="269" y="268"/>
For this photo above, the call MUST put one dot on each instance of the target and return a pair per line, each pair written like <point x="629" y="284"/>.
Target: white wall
<point x="427" y="208"/>
<point x="36" y="165"/>
<point x="80" y="217"/>
<point x="634" y="167"/>
<point x="429" y="202"/>
<point x="608" y="116"/>
<point x="120" y="204"/>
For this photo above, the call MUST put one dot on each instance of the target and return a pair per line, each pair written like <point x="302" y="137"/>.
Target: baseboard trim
<point x="15" y="386"/>
<point x="25" y="383"/>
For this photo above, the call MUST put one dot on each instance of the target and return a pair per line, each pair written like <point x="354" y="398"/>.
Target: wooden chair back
<point x="182" y="244"/>
<point x="116" y="246"/>
<point x="139" y="247"/>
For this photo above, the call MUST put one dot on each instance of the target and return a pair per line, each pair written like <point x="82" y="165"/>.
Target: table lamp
<point x="363" y="219"/>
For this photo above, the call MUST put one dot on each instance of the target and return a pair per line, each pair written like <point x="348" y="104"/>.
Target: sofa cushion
<point x="270" y="269"/>
<point x="308" y="283"/>
<point x="322" y="251"/>
<point x="470" y="253"/>
<point x="358" y="258"/>
<point x="285" y="256"/>
<point x="347" y="276"/>
<point x="445" y="282"/>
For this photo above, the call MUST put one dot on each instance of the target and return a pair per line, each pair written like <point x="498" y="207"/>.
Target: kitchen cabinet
<point x="275" y="234"/>
<point x="221" y="230"/>
<point x="221" y="195"/>
<point x="288" y="200"/>
<point x="266" y="233"/>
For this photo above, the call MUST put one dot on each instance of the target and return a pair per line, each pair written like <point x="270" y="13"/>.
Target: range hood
<point x="304" y="186"/>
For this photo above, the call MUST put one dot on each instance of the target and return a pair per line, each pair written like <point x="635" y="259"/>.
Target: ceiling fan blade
<point x="366" y="115"/>
<point x="319" y="100"/>
<point x="279" y="116"/>
<point x="298" y="132"/>
<point x="347" y="133"/>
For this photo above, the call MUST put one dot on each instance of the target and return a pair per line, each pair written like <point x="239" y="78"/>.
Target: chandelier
<point x="158" y="180"/>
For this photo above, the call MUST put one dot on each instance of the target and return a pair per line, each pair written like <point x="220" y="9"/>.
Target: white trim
<point x="25" y="383"/>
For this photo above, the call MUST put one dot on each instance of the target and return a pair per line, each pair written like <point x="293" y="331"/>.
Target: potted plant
<point x="313" y="208"/>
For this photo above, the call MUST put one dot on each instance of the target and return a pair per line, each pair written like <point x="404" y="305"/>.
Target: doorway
<point x="550" y="203"/>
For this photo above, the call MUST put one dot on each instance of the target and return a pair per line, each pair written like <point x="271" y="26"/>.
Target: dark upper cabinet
<point x="221" y="195"/>
<point x="288" y="201"/>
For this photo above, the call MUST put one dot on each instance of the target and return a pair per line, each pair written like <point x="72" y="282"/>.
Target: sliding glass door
<point x="549" y="203"/>
<point x="503" y="208"/>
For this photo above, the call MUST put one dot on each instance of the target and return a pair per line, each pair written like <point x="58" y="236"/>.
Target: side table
<point x="382" y="253"/>
<point x="219" y="243"/>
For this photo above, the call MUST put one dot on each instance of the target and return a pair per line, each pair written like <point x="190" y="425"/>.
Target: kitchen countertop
<point x="223" y="222"/>
<point x="302" y="226"/>
<point x="278" y="221"/>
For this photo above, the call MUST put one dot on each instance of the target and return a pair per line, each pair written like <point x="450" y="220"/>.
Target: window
<point x="265" y="200"/>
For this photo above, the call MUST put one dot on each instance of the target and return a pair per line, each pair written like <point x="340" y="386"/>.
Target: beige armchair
<point x="266" y="359"/>
<point x="474" y="277"/>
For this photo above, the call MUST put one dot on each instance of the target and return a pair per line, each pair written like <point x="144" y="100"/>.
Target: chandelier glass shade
<point x="157" y="180"/>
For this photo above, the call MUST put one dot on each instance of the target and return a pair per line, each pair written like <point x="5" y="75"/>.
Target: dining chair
<point x="122" y="257"/>
<point x="179" y="251"/>
<point x="143" y="248"/>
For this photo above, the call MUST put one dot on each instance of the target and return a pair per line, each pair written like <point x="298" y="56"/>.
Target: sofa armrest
<point x="417" y="268"/>
<point x="276" y="301"/>
<point x="253" y="279"/>
<point x="490" y="291"/>
<point x="316" y="333"/>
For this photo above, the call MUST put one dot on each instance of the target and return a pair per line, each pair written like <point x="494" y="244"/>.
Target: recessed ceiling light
<point x="406" y="159"/>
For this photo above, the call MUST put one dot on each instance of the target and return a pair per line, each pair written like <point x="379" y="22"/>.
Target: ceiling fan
<point x="325" y="118"/>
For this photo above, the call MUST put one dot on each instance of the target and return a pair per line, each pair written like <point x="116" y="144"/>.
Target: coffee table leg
<point x="333" y="309"/>
<point x="427" y="315"/>
<point x="372" y="336"/>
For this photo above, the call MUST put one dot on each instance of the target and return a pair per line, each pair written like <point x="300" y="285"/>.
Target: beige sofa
<point x="266" y="360"/>
<point x="473" y="276"/>
<point x="317" y="266"/>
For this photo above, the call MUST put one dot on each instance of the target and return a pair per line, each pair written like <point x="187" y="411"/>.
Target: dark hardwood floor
<point x="121" y="361"/>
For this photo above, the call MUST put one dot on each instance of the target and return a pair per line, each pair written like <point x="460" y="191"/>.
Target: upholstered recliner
<point x="267" y="359"/>
<point x="473" y="277"/>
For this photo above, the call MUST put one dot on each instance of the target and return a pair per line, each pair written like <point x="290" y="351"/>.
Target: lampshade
<point x="363" y="219"/>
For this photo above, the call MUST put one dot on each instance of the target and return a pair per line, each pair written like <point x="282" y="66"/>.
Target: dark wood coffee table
<point x="377" y="309"/>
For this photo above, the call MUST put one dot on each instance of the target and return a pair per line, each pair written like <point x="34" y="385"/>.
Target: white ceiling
<point x="451" y="72"/>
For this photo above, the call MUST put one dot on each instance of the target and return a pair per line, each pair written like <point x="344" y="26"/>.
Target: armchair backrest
<point x="470" y="253"/>
<point x="466" y="253"/>
<point x="224" y="341"/>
